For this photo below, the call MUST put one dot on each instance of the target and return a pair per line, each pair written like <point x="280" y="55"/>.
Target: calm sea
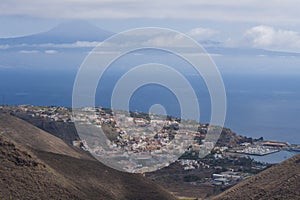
<point x="267" y="106"/>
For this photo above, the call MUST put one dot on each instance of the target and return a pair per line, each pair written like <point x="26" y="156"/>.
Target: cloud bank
<point x="268" y="11"/>
<point x="267" y="37"/>
<point x="201" y="34"/>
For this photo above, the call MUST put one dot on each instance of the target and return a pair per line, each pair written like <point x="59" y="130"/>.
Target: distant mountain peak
<point x="79" y="29"/>
<point x="66" y="32"/>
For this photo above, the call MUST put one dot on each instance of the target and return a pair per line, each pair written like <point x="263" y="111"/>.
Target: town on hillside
<point x="225" y="165"/>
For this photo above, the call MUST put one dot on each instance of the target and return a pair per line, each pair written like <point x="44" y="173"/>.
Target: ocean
<point x="258" y="104"/>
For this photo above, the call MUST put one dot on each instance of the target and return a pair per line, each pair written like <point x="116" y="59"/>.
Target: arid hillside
<point x="37" y="165"/>
<point x="282" y="181"/>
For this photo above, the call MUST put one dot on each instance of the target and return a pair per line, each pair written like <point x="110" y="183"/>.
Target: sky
<point x="270" y="24"/>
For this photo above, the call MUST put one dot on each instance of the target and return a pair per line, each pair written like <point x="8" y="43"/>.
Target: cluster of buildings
<point x="95" y="116"/>
<point x="219" y="177"/>
<point x="188" y="164"/>
<point x="141" y="142"/>
<point x="141" y="135"/>
<point x="228" y="177"/>
<point x="53" y="113"/>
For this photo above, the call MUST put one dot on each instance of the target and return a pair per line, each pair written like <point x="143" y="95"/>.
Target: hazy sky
<point x="269" y="24"/>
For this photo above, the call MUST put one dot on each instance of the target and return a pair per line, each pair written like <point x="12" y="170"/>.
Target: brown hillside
<point x="25" y="177"/>
<point x="30" y="136"/>
<point x="281" y="181"/>
<point x="36" y="165"/>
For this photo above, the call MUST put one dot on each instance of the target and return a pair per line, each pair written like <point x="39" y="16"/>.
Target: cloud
<point x="165" y="40"/>
<point x="78" y="44"/>
<point x="28" y="51"/>
<point x="4" y="46"/>
<point x="227" y="10"/>
<point x="268" y="37"/>
<point x="51" y="51"/>
<point x="202" y="33"/>
<point x="85" y="44"/>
